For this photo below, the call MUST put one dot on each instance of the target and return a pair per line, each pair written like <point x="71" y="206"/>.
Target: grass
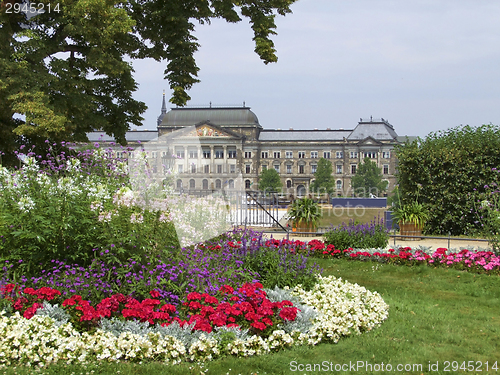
<point x="436" y="315"/>
<point x="339" y="215"/>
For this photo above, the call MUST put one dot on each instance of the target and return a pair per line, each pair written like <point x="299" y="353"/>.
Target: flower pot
<point x="305" y="227"/>
<point x="410" y="229"/>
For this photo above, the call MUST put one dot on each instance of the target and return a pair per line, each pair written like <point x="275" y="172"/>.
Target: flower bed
<point x="93" y="269"/>
<point x="235" y="258"/>
<point x="356" y="235"/>
<point x="246" y="308"/>
<point x="471" y="260"/>
<point x="334" y="308"/>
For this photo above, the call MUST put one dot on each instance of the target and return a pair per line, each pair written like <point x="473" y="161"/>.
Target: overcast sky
<point x="423" y="65"/>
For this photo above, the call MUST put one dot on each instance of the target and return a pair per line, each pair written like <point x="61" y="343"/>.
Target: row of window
<point x="338" y="184"/>
<point x="230" y="184"/>
<point x="248" y="169"/>
<point x="231" y="154"/>
<point x="218" y="184"/>
<point x="219" y="168"/>
<point x="204" y="184"/>
<point x="301" y="170"/>
<point x="315" y="154"/>
<point x="206" y="154"/>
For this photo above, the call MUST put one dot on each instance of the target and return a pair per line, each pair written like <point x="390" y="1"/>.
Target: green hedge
<point x="449" y="168"/>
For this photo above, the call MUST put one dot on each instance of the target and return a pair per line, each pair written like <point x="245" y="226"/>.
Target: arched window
<point x="218" y="184"/>
<point x="247" y="184"/>
<point x="301" y="190"/>
<point x="179" y="184"/>
<point x="288" y="184"/>
<point x="192" y="183"/>
<point x="231" y="184"/>
<point x="205" y="184"/>
<point x="339" y="185"/>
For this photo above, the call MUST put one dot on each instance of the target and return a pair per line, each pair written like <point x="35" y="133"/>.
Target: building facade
<point x="214" y="146"/>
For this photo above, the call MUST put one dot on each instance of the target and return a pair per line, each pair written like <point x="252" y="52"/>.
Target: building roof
<point x="132" y="136"/>
<point x="377" y="129"/>
<point x="225" y="116"/>
<point x="303" y="135"/>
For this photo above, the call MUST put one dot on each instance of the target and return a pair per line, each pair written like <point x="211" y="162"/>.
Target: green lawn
<point x="436" y="315"/>
<point x="339" y="215"/>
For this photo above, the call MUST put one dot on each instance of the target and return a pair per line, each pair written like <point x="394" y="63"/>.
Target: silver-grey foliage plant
<point x="305" y="314"/>
<point x="184" y="334"/>
<point x="55" y="312"/>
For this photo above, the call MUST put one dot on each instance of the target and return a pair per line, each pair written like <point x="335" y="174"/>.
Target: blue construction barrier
<point x="390" y="223"/>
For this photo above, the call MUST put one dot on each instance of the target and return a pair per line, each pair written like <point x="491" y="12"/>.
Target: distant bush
<point x="358" y="236"/>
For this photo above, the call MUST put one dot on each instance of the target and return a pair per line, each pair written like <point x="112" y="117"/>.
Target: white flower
<point x="26" y="204"/>
<point x="136" y="219"/>
<point x="73" y="164"/>
<point x="105" y="216"/>
<point x="344" y="309"/>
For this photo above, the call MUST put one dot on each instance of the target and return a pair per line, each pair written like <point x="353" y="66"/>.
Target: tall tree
<point x="67" y="71"/>
<point x="269" y="181"/>
<point x="324" y="180"/>
<point x="368" y="180"/>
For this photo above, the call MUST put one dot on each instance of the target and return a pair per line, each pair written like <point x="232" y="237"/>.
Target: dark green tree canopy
<point x="67" y="70"/>
<point x="368" y="179"/>
<point x="324" y="181"/>
<point x="448" y="169"/>
<point x="269" y="181"/>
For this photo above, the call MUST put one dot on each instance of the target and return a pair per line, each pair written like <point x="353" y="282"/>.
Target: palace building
<point x="216" y="145"/>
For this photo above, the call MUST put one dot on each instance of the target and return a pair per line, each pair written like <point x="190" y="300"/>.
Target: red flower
<point x="29" y="291"/>
<point x="19" y="304"/>
<point x="211" y="299"/>
<point x="226" y="289"/>
<point x="288" y="313"/>
<point x="168" y="308"/>
<point x="193" y="296"/>
<point x="218" y="319"/>
<point x="30" y="311"/>
<point x="154" y="293"/>
<point x="259" y="325"/>
<point x="6" y="289"/>
<point x="194" y="305"/>
<point x="267" y="321"/>
<point x="206" y="310"/>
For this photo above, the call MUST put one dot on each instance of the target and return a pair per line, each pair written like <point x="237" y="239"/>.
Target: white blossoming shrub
<point x="38" y="341"/>
<point x="342" y="309"/>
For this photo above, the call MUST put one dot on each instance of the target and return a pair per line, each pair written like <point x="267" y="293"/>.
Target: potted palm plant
<point x="411" y="218"/>
<point x="304" y="214"/>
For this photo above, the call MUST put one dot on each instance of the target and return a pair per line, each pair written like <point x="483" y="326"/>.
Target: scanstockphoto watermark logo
<point x="159" y="170"/>
<point x="30" y="9"/>
<point x="365" y="367"/>
<point x="358" y="366"/>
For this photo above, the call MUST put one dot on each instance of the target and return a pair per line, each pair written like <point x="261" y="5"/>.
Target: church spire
<point x="163" y="110"/>
<point x="163" y="105"/>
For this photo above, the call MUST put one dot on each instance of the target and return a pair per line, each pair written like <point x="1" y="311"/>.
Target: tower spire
<point x="163" y="110"/>
<point x="163" y="105"/>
